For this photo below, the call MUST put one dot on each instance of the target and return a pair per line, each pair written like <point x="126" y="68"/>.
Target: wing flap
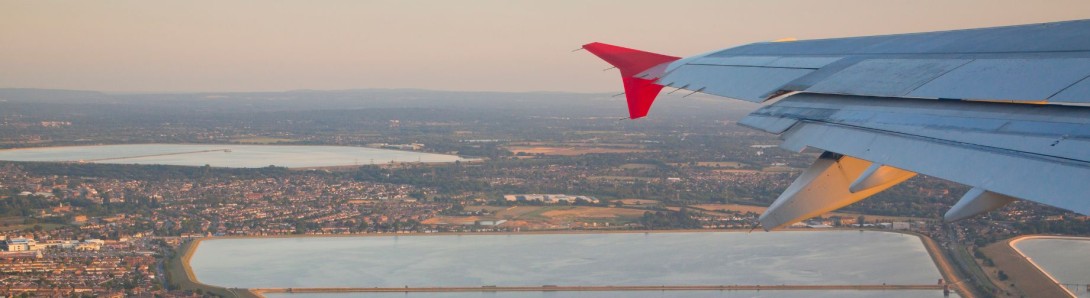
<point x="1042" y="130"/>
<point x="1052" y="183"/>
<point x="1037" y="153"/>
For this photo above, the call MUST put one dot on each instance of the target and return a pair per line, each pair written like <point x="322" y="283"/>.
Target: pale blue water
<point x="1067" y="260"/>
<point x="632" y="294"/>
<point x="690" y="258"/>
<point x="241" y="156"/>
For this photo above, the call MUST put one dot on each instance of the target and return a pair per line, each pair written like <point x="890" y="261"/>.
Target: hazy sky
<point x="449" y="45"/>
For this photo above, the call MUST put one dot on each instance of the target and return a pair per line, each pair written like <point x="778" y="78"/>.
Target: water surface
<point x="231" y="156"/>
<point x="632" y="294"/>
<point x="688" y="258"/>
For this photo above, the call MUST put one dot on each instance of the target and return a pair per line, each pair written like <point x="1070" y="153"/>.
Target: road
<point x="945" y="267"/>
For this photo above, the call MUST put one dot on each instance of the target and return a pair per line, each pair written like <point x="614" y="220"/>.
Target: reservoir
<point x="633" y="294"/>
<point x="1064" y="258"/>
<point x="599" y="259"/>
<point x="230" y="156"/>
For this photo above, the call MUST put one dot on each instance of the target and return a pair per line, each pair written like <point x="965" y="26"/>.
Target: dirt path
<point x="945" y="267"/>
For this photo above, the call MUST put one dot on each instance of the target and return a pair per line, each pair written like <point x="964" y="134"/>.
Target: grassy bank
<point x="181" y="277"/>
<point x="1024" y="277"/>
<point x="968" y="267"/>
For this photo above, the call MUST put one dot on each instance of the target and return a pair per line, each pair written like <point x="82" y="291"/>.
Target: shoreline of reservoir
<point x="1013" y="245"/>
<point x="1028" y="277"/>
<point x="187" y="280"/>
<point x="936" y="256"/>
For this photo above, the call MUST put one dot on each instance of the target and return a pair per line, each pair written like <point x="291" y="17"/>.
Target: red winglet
<point x="640" y="93"/>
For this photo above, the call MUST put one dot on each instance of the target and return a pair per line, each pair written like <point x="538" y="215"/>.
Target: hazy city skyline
<point x="135" y="46"/>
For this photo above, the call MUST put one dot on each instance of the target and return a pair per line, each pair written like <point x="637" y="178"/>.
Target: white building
<point x="21" y="244"/>
<point x="65" y="244"/>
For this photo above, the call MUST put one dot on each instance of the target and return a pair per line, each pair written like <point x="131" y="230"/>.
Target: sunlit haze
<point x="180" y="46"/>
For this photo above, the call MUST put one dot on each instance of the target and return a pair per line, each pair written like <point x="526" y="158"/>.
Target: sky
<point x="222" y="46"/>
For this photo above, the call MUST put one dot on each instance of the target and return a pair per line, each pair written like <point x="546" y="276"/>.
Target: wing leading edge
<point x="1003" y="110"/>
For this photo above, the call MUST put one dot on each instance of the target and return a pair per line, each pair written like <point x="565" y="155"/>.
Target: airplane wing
<point x="1005" y="110"/>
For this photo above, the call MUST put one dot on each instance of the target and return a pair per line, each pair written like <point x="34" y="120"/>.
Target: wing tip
<point x="640" y="93"/>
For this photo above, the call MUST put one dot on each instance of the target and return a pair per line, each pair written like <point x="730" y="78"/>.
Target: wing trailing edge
<point x="637" y="74"/>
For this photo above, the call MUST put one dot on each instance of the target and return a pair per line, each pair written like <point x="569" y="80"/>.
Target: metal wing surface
<point x="1005" y="110"/>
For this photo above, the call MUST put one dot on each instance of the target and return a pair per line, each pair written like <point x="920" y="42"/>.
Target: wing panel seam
<point x="1049" y="98"/>
<point x="938" y="76"/>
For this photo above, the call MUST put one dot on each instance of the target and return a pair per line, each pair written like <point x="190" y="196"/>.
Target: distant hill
<point x="556" y="103"/>
<point x="49" y="95"/>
